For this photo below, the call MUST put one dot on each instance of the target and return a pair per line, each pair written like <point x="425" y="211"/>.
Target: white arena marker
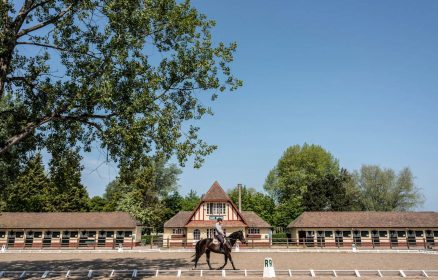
<point x="312" y="272"/>
<point x="112" y="273"/>
<point x="357" y="273"/>
<point x="402" y="273"/>
<point x="90" y="273"/>
<point x="246" y="273"/>
<point x="179" y="273"/>
<point x="67" y="275"/>
<point x="3" y="249"/>
<point x="134" y="273"/>
<point x="334" y="273"/>
<point x="45" y="274"/>
<point x="201" y="273"/>
<point x="380" y="273"/>
<point x="268" y="268"/>
<point x="2" y="273"/>
<point x="237" y="248"/>
<point x="223" y="273"/>
<point x="156" y="273"/>
<point x="22" y="275"/>
<point x="424" y="274"/>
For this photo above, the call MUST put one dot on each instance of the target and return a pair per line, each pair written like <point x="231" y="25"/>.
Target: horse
<point x="206" y="246"/>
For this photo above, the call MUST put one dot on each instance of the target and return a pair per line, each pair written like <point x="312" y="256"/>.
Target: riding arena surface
<point x="168" y="264"/>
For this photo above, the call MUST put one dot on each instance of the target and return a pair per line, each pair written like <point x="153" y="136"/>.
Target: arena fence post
<point x="424" y="243"/>
<point x="168" y="243"/>
<point x="152" y="241"/>
<point x="287" y="242"/>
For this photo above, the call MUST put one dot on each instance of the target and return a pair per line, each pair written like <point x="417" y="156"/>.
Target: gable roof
<point x="179" y="220"/>
<point x="215" y="193"/>
<point x="66" y="220"/>
<point x="254" y="220"/>
<point x="366" y="220"/>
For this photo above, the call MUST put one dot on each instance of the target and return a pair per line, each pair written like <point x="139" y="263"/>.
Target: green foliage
<point x="190" y="201"/>
<point x="331" y="193"/>
<point x="65" y="175"/>
<point x="255" y="201"/>
<point x="173" y="204"/>
<point x="298" y="168"/>
<point x="97" y="204"/>
<point x="33" y="191"/>
<point x="384" y="190"/>
<point x="120" y="73"/>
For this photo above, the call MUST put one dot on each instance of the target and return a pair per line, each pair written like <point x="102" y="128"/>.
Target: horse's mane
<point x="234" y="234"/>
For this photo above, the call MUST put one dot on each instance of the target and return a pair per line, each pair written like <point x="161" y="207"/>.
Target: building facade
<point x="366" y="229"/>
<point x="188" y="227"/>
<point x="68" y="230"/>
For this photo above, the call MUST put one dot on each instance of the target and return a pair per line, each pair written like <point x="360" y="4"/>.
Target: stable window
<point x="128" y="233"/>
<point x="401" y="233"/>
<point x="65" y="234"/>
<point x="56" y="234"/>
<point x="383" y="233"/>
<point x="92" y="234"/>
<point x="215" y="208"/>
<point x="178" y="231"/>
<point x="310" y="233"/>
<point x="74" y="234"/>
<point x="328" y="233"/>
<point x="346" y="233"/>
<point x="197" y="234"/>
<point x="419" y="233"/>
<point x="253" y="231"/>
<point x="435" y="233"/>
<point x="2" y="234"/>
<point x="210" y="233"/>
<point x="110" y="234"/>
<point x="365" y="233"/>
<point x="19" y="234"/>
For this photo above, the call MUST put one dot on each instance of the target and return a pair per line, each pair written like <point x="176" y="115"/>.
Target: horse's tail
<point x="197" y="251"/>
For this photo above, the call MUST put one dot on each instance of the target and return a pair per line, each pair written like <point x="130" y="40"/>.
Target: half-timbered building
<point x="187" y="227"/>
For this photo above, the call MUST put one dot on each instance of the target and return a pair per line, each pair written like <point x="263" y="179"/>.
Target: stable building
<point x="366" y="229"/>
<point x="188" y="227"/>
<point x="68" y="230"/>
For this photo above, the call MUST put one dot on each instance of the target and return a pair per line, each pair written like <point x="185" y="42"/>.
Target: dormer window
<point x="215" y="208"/>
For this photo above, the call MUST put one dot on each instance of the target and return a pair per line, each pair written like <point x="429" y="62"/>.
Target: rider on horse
<point x="219" y="233"/>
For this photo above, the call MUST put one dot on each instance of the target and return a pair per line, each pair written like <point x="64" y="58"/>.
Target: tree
<point x="190" y="201"/>
<point x="255" y="201"/>
<point x="165" y="180"/>
<point x="65" y="176"/>
<point x="33" y="191"/>
<point x="173" y="204"/>
<point x="331" y="193"/>
<point x="384" y="190"/>
<point x="296" y="170"/>
<point x="97" y="204"/>
<point x="122" y="73"/>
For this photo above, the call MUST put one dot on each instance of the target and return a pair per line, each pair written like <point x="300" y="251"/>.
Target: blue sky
<point x="358" y="78"/>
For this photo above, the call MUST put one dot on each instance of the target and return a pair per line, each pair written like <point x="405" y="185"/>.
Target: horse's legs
<point x="207" y="254"/>
<point x="231" y="260"/>
<point x="226" y="260"/>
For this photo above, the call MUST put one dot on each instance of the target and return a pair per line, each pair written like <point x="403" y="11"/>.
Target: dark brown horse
<point x="207" y="245"/>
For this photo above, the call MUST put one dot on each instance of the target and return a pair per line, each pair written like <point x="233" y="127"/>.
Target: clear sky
<point x="359" y="78"/>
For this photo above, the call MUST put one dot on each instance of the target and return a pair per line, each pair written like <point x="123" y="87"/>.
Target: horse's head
<point x="241" y="237"/>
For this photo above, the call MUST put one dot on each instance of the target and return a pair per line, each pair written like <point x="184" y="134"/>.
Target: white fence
<point x="139" y="273"/>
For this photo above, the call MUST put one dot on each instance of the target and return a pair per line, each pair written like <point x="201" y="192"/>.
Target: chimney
<point x="239" y="187"/>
